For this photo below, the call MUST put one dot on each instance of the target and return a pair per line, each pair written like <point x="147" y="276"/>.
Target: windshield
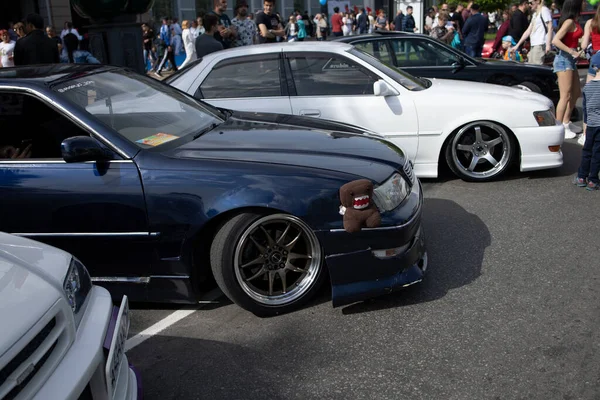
<point x="405" y="79"/>
<point x="144" y="111"/>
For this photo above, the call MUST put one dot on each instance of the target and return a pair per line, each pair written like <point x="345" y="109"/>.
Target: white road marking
<point x="171" y="319"/>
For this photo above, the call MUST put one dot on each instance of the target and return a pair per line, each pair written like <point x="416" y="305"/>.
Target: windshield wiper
<point x="205" y="130"/>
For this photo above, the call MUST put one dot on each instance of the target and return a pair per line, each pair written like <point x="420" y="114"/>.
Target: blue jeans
<point x="474" y="50"/>
<point x="564" y="62"/>
<point x="590" y="155"/>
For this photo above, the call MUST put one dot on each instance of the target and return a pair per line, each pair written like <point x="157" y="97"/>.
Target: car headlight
<point x="545" y="118"/>
<point x="391" y="193"/>
<point x="77" y="286"/>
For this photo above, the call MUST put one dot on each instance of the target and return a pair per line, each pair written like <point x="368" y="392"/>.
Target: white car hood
<point x="490" y="91"/>
<point x="31" y="276"/>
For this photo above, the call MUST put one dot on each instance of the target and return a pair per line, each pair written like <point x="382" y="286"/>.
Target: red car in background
<point x="583" y="18"/>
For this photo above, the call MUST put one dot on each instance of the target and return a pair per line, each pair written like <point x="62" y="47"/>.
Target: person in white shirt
<point x="7" y="50"/>
<point x="188" y="43"/>
<point x="69" y="29"/>
<point x="540" y="31"/>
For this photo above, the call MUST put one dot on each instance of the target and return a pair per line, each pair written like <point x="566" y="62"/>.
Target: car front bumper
<point x="359" y="267"/>
<point x="81" y="373"/>
<point x="535" y="143"/>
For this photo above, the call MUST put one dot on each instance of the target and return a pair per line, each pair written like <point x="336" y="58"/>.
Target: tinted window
<point x="330" y="76"/>
<point x="422" y="53"/>
<point x="242" y="78"/>
<point x="407" y="80"/>
<point x="31" y="129"/>
<point x="376" y="48"/>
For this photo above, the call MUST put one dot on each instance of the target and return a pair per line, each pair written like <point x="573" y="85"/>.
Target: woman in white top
<point x="69" y="29"/>
<point x="347" y="24"/>
<point x="7" y="50"/>
<point x="188" y="43"/>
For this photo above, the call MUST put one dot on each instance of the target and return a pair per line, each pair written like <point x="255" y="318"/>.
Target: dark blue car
<point x="160" y="194"/>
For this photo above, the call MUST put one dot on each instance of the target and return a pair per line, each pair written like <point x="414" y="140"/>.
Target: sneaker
<point x="581" y="140"/>
<point x="580" y="182"/>
<point x="592" y="186"/>
<point x="569" y="133"/>
<point x="574" y="128"/>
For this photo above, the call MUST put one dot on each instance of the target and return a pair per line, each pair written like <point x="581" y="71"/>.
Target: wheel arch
<point x="201" y="241"/>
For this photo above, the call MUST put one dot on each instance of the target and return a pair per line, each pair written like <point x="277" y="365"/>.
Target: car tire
<point x="251" y="260"/>
<point x="530" y="86"/>
<point x="480" y="151"/>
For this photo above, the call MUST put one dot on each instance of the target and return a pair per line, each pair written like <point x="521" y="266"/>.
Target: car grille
<point x="38" y="357"/>
<point x="408" y="170"/>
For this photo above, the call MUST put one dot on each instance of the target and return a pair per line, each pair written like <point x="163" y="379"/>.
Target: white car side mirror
<point x="381" y="88"/>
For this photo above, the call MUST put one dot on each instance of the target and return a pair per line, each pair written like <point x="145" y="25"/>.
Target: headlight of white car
<point x="77" y="286"/>
<point x="545" y="118"/>
<point x="391" y="193"/>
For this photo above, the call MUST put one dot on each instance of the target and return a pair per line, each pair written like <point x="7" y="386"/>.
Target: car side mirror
<point x="83" y="148"/>
<point x="381" y="88"/>
<point x="459" y="65"/>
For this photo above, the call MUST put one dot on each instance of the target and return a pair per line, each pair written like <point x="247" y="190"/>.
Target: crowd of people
<point x="28" y="42"/>
<point x="214" y="30"/>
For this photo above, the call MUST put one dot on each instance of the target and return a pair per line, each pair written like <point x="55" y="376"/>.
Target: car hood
<point x="31" y="276"/>
<point x="502" y="64"/>
<point x="487" y="91"/>
<point x="296" y="141"/>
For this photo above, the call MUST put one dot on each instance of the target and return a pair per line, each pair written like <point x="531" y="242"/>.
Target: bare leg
<point x="565" y="81"/>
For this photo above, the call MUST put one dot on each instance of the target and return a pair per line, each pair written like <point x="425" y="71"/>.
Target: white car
<point x="477" y="129"/>
<point x="61" y="337"/>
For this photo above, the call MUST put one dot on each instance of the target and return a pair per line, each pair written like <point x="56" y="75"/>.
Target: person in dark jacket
<point x="408" y="22"/>
<point x="518" y="21"/>
<point x="399" y="21"/>
<point x="36" y="47"/>
<point x="474" y="32"/>
<point x="362" y="21"/>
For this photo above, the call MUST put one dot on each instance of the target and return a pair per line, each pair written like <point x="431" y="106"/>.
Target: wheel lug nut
<point x="281" y="265"/>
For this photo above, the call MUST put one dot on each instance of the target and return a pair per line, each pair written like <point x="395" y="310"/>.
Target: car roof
<point x="376" y="34"/>
<point x="279" y="47"/>
<point x="48" y="73"/>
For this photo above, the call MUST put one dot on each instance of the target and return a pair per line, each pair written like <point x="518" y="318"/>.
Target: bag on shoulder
<point x="456" y="42"/>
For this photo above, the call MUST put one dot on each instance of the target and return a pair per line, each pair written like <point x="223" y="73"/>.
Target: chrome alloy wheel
<point x="277" y="259"/>
<point x="481" y="149"/>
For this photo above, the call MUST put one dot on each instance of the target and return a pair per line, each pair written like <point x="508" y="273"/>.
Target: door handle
<point x="310" y="113"/>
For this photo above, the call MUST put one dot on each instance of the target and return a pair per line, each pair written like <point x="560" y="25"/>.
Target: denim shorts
<point x="564" y="62"/>
<point x="595" y="60"/>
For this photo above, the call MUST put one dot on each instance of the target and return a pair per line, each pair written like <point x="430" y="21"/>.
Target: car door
<point x="431" y="59"/>
<point x="250" y="83"/>
<point x="95" y="211"/>
<point x="336" y="87"/>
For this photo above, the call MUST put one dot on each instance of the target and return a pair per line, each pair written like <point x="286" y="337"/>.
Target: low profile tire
<point x="532" y="87"/>
<point x="480" y="151"/>
<point x="267" y="264"/>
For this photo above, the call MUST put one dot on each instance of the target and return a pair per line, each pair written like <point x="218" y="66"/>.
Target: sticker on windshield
<point x="75" y="86"/>
<point x="157" y="139"/>
<point x="336" y="64"/>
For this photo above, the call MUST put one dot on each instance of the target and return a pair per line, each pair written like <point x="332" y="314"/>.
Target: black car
<point x="158" y="193"/>
<point x="427" y="57"/>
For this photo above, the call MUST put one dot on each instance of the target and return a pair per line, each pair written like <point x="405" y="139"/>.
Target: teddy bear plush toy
<point x="357" y="207"/>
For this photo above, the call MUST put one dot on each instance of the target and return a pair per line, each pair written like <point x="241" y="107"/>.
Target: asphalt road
<point x="509" y="310"/>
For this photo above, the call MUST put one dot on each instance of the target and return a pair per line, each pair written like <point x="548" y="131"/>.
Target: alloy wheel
<point x="277" y="259"/>
<point x="481" y="150"/>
